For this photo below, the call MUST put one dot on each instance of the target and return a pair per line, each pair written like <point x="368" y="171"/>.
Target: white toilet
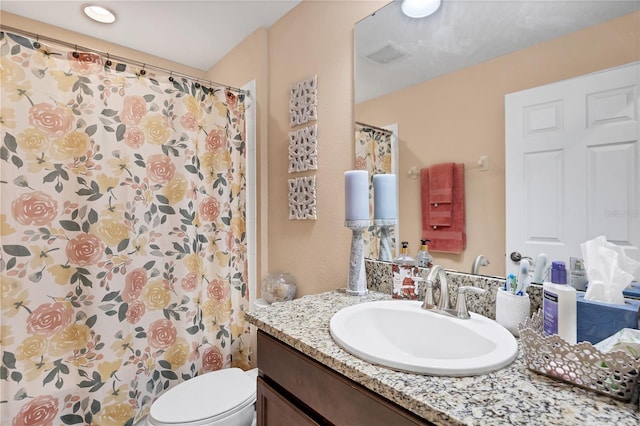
<point x="222" y="398"/>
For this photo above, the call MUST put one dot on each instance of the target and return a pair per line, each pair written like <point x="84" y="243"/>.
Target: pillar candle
<point x="384" y="196"/>
<point x="356" y="195"/>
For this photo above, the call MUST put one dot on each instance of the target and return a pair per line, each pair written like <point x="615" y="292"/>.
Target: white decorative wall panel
<point x="303" y="102"/>
<point x="302" y="198"/>
<point x="303" y="149"/>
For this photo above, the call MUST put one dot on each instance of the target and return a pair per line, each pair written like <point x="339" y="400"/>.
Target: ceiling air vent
<point x="388" y="53"/>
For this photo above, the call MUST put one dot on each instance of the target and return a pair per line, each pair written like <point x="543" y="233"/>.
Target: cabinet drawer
<point x="336" y="398"/>
<point x="273" y="409"/>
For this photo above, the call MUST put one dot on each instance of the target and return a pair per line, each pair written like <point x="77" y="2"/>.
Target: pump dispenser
<point x="404" y="270"/>
<point x="559" y="305"/>
<point x="423" y="258"/>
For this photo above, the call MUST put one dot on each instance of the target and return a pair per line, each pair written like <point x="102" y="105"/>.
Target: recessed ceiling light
<point x="420" y="8"/>
<point x="99" y="13"/>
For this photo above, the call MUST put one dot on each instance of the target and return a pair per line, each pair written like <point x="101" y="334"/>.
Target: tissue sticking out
<point x="609" y="270"/>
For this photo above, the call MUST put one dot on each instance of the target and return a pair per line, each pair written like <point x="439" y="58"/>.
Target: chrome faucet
<point x="443" y="307"/>
<point x="480" y="260"/>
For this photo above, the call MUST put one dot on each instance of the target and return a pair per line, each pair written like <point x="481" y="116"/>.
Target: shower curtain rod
<point x="39" y="37"/>
<point x="373" y="127"/>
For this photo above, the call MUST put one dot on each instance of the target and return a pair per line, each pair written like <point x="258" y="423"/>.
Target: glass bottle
<point x="404" y="270"/>
<point x="423" y="258"/>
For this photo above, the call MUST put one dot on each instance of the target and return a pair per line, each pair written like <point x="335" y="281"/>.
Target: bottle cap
<point x="558" y="273"/>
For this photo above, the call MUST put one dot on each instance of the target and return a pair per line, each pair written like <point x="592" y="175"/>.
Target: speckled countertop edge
<point x="513" y="395"/>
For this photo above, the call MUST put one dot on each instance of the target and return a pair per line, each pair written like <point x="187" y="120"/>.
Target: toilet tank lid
<point x="203" y="397"/>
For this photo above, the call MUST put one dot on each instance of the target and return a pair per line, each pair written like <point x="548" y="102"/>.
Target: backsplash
<point x="380" y="278"/>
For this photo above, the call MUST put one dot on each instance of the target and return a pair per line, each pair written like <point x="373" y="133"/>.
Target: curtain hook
<point x="197" y="83"/>
<point x="37" y="43"/>
<point x="108" y="63"/>
<point x="171" y="76"/>
<point x="142" y="71"/>
<point x="75" y="54"/>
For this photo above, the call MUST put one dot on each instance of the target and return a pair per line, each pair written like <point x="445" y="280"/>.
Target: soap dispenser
<point x="404" y="271"/>
<point x="559" y="305"/>
<point x="423" y="258"/>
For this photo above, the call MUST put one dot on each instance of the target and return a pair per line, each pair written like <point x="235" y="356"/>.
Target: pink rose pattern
<point x="84" y="63"/>
<point x="80" y="322"/>
<point x="134" y="108"/>
<point x="53" y="120"/>
<point x="49" y="318"/>
<point x="160" y="168"/>
<point x="84" y="250"/>
<point x="42" y="411"/>
<point x="210" y="209"/>
<point x="36" y="208"/>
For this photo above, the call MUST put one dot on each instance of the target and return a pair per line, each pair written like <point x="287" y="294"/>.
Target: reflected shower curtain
<point x="373" y="153"/>
<point x="123" y="235"/>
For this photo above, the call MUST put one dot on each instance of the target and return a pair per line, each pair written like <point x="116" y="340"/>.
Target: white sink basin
<point x="403" y="336"/>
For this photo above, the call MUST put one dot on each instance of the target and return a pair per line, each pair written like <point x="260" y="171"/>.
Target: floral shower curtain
<point x="373" y="153"/>
<point x="123" y="235"/>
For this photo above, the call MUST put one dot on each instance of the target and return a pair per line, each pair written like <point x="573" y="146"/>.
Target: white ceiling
<point x="193" y="33"/>
<point x="463" y="33"/>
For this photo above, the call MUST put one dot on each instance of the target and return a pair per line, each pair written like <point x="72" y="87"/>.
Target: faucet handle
<point x="429" y="302"/>
<point x="461" y="303"/>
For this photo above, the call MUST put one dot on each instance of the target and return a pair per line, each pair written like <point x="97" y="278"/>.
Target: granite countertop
<point x="513" y="395"/>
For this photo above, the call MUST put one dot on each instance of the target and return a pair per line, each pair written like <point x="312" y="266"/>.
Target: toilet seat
<point x="204" y="399"/>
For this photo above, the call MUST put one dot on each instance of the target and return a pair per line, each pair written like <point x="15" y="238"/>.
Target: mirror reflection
<point x="376" y="152"/>
<point x="443" y="80"/>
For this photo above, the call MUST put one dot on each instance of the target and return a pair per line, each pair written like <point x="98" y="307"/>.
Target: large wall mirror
<point x="443" y="80"/>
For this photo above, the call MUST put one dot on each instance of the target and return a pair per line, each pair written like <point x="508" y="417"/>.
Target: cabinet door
<point x="273" y="409"/>
<point x="324" y="392"/>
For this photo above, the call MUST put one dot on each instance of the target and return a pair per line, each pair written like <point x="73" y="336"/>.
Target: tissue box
<point x="597" y="320"/>
<point x="632" y="291"/>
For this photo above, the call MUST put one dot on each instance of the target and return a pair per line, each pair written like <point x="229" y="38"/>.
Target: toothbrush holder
<point x="511" y="310"/>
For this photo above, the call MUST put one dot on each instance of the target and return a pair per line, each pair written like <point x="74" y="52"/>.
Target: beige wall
<point x="315" y="38"/>
<point x="460" y="116"/>
<point x="247" y="62"/>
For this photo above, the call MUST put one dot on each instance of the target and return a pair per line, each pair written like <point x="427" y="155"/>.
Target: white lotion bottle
<point x="559" y="305"/>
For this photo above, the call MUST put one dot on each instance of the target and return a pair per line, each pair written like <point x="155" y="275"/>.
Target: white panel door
<point x="573" y="165"/>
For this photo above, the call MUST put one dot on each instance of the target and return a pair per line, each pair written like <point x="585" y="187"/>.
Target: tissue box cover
<point x="598" y="320"/>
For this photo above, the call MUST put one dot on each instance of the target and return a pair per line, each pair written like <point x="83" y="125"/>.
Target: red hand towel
<point x="450" y="239"/>
<point x="441" y="183"/>
<point x="441" y="194"/>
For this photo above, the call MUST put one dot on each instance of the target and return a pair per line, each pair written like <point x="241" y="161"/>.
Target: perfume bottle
<point x="404" y="270"/>
<point x="423" y="258"/>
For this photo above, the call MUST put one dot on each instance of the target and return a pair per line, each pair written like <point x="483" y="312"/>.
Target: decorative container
<point x="614" y="374"/>
<point x="511" y="310"/>
<point x="278" y="287"/>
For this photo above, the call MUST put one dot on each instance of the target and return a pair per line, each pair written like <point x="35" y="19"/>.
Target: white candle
<point x="384" y="196"/>
<point x="356" y="195"/>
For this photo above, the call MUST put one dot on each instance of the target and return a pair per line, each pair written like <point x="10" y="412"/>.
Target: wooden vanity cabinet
<point x="294" y="389"/>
